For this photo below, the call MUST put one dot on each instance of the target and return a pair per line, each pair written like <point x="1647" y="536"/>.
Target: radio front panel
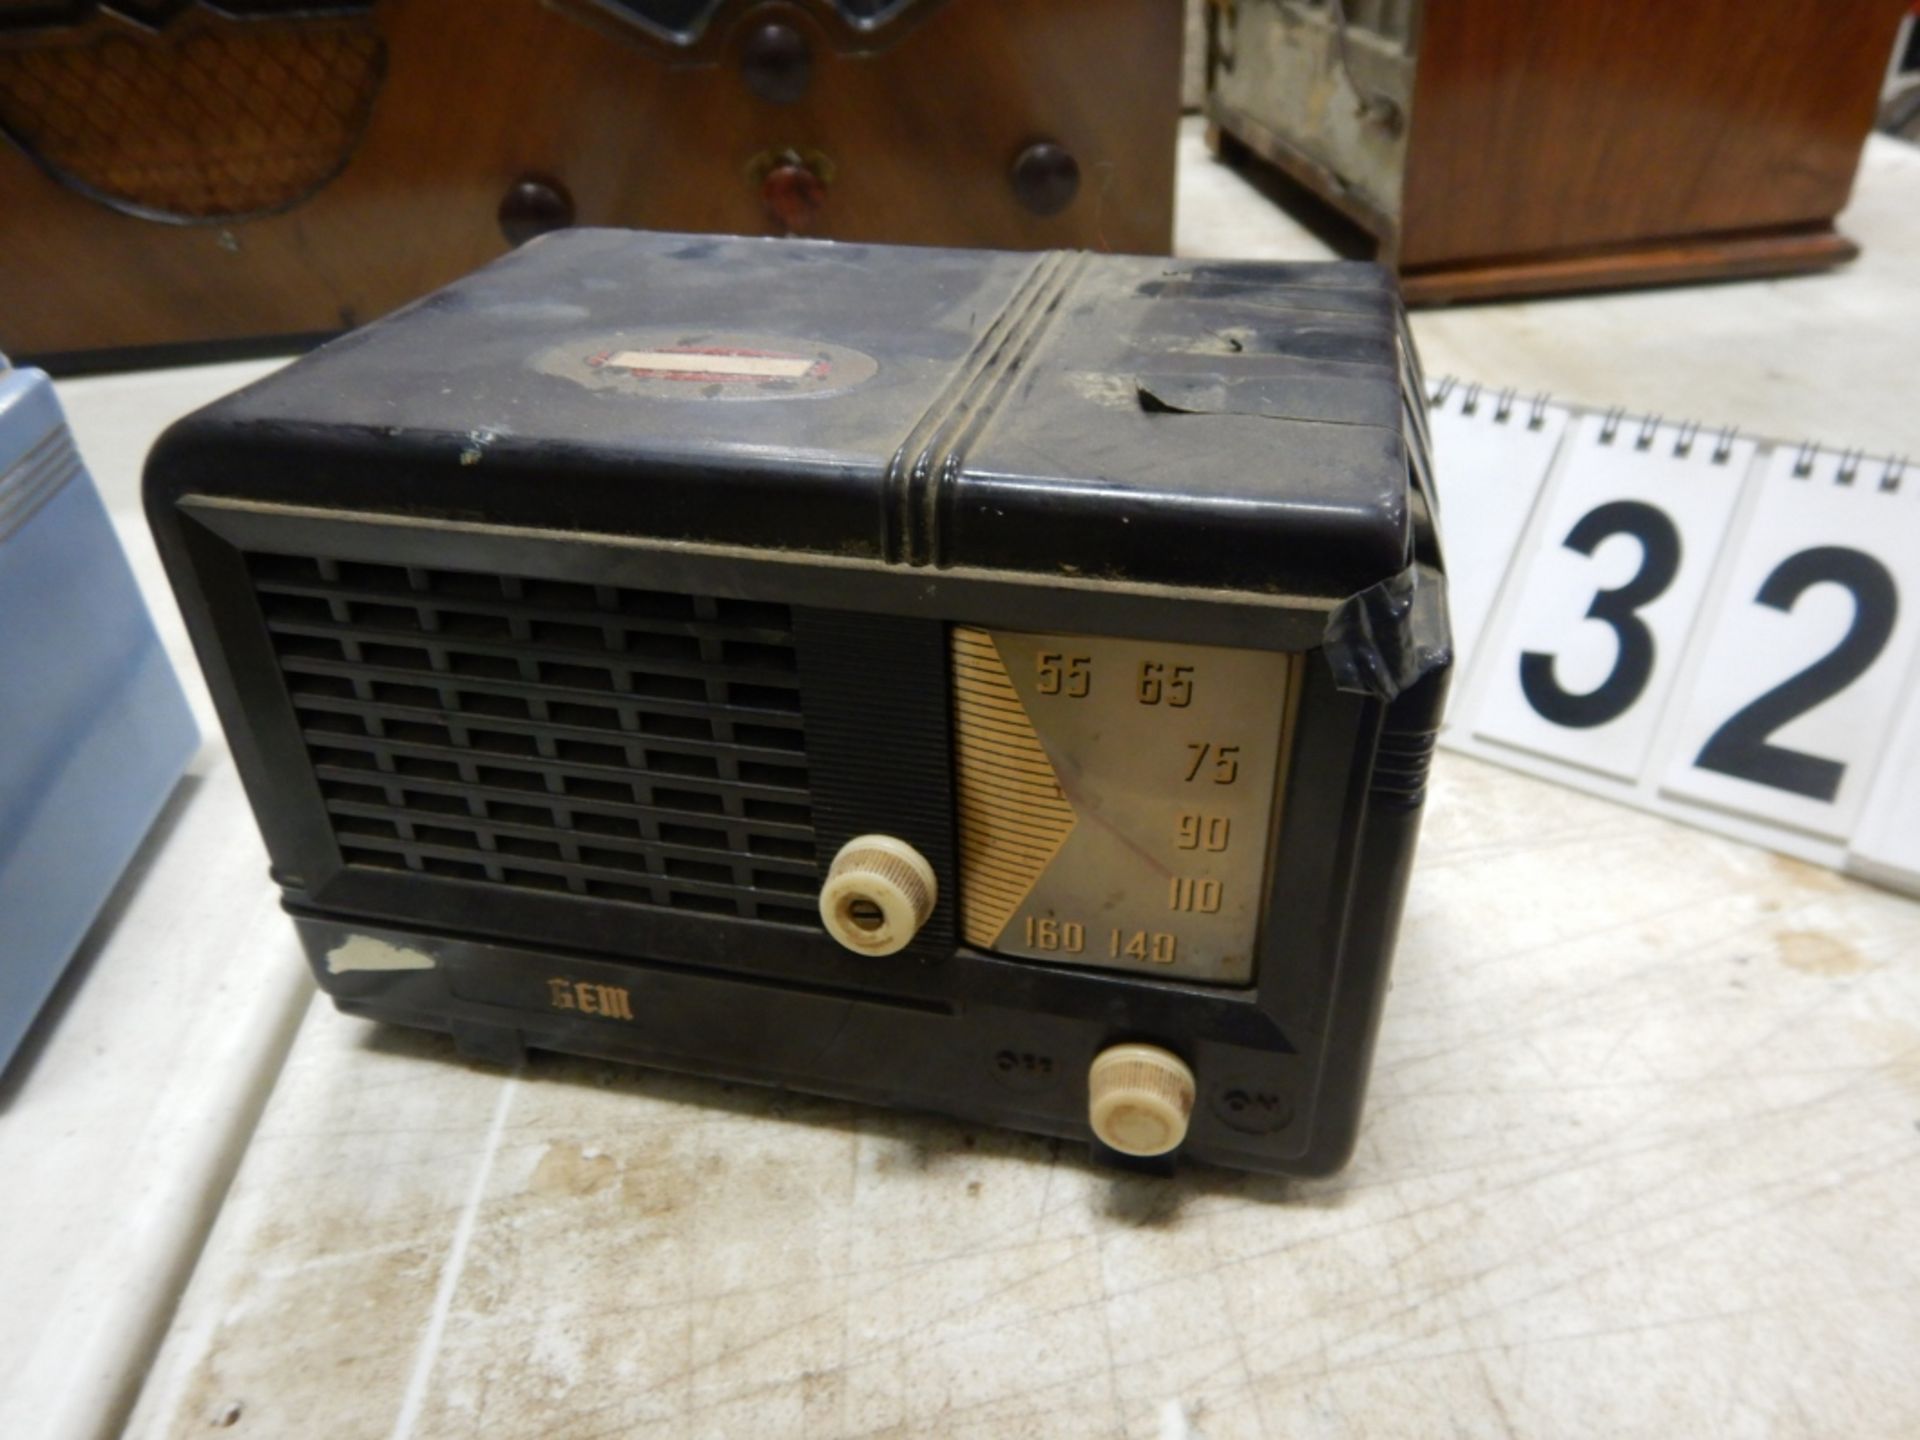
<point x="1086" y="800"/>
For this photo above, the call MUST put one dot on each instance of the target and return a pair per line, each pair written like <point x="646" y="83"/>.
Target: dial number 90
<point x="1203" y="832"/>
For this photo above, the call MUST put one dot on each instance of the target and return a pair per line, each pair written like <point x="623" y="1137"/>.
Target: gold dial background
<point x="1076" y="795"/>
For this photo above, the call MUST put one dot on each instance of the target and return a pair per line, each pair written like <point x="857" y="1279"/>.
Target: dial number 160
<point x="1046" y="933"/>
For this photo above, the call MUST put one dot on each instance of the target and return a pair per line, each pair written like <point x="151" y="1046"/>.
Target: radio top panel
<point x="1127" y="419"/>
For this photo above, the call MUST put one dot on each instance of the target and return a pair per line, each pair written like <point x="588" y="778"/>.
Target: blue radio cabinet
<point x="94" y="728"/>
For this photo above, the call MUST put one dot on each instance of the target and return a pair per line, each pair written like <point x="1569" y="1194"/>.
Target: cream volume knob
<point x="879" y="892"/>
<point x="1139" y="1098"/>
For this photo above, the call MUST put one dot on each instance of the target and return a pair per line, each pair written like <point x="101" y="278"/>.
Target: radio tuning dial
<point x="1139" y="1098"/>
<point x="879" y="892"/>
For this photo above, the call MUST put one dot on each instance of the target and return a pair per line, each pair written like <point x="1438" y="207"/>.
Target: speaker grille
<point x="209" y="118"/>
<point x="611" y="743"/>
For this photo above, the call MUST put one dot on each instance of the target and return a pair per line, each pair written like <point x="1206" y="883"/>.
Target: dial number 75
<point x="1218" y="763"/>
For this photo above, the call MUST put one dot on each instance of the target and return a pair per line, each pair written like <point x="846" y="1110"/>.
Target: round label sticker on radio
<point x="697" y="365"/>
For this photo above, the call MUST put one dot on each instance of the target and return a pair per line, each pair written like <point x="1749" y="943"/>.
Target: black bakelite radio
<point x="985" y="683"/>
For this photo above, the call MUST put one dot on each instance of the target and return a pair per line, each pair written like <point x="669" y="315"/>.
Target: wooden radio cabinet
<point x="195" y="173"/>
<point x="1498" y="147"/>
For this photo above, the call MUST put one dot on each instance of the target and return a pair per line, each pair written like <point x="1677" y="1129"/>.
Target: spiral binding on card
<point x="1849" y="464"/>
<point x="1503" y="404"/>
<point x="1644" y="430"/>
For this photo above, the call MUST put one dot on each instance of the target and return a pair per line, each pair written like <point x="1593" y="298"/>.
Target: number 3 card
<point x="1616" y="575"/>
<point x="1806" y="648"/>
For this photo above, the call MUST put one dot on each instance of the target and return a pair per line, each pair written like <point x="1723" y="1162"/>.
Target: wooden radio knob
<point x="533" y="206"/>
<point x="776" y="63"/>
<point x="1046" y="177"/>
<point x="794" y="193"/>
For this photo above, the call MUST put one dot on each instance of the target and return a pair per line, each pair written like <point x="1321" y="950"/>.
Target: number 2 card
<point x="1807" y="645"/>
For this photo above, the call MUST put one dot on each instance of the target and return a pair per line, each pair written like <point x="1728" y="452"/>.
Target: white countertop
<point x="1641" y="1154"/>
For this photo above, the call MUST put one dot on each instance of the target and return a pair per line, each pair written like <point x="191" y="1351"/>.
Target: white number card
<point x="1590" y="648"/>
<point x="1886" y="847"/>
<point x="1806" y="648"/>
<point x="1491" y="455"/>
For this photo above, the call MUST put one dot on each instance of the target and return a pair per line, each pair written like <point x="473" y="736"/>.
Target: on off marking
<point x="1023" y="1062"/>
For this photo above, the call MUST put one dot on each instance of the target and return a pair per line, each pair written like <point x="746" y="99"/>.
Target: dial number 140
<point x="1156" y="946"/>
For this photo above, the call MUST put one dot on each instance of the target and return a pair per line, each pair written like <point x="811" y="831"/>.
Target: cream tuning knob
<point x="879" y="892"/>
<point x="1139" y="1098"/>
